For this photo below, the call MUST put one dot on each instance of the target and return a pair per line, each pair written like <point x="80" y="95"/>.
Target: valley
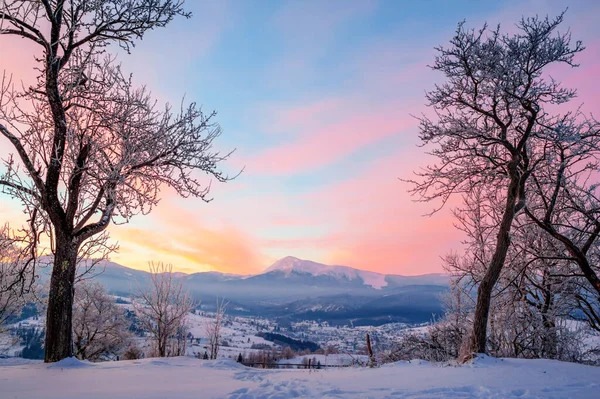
<point x="294" y="290"/>
<point x="329" y="308"/>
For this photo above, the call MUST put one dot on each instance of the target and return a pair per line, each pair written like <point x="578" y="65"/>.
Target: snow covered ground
<point x="237" y="331"/>
<point x="186" y="377"/>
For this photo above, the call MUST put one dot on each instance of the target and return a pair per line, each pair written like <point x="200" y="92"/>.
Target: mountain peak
<point x="291" y="264"/>
<point x="288" y="260"/>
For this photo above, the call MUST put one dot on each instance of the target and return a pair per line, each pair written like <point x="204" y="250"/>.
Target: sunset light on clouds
<point x="319" y="100"/>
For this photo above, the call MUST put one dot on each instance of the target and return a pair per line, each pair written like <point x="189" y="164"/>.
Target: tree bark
<point x="478" y="338"/>
<point x="370" y="351"/>
<point x="59" y="317"/>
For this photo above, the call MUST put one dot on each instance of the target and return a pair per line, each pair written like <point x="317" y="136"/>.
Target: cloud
<point x="318" y="147"/>
<point x="385" y="85"/>
<point x="166" y="59"/>
<point x="379" y="227"/>
<point x="174" y="235"/>
<point x="307" y="21"/>
<point x="306" y="30"/>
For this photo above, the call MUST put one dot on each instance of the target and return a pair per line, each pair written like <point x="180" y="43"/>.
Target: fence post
<point x="370" y="350"/>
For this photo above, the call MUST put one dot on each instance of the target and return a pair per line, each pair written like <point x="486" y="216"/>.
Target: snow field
<point x="186" y="377"/>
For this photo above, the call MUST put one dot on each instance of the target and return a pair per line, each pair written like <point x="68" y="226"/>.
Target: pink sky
<point x="318" y="99"/>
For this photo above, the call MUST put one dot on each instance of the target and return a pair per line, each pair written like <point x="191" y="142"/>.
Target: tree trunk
<point x="477" y="340"/>
<point x="370" y="351"/>
<point x="59" y="317"/>
<point x="550" y="338"/>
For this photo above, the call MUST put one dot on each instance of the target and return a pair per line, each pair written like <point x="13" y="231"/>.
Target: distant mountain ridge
<point x="376" y="280"/>
<point x="295" y="289"/>
<point x="291" y="264"/>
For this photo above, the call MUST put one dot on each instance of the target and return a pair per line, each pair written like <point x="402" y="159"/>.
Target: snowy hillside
<point x="182" y="378"/>
<point x="290" y="264"/>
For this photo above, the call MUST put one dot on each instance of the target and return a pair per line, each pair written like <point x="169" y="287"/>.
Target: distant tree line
<point x="282" y="340"/>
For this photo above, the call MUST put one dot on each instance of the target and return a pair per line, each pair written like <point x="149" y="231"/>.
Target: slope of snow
<point x="181" y="378"/>
<point x="290" y="264"/>
<point x="70" y="363"/>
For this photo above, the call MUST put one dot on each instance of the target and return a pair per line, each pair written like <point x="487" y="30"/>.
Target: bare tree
<point x="213" y="330"/>
<point x="162" y="308"/>
<point x="530" y="311"/>
<point x="17" y="273"/>
<point x="565" y="202"/>
<point x="99" y="326"/>
<point x="533" y="299"/>
<point x="489" y="113"/>
<point x="89" y="147"/>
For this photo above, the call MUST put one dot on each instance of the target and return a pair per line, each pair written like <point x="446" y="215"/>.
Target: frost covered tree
<point x="213" y="330"/>
<point x="488" y="115"/>
<point x="17" y="273"/>
<point x="163" y="307"/>
<point x="532" y="303"/>
<point x="535" y="295"/>
<point x="564" y="201"/>
<point x="99" y="325"/>
<point x="90" y="148"/>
